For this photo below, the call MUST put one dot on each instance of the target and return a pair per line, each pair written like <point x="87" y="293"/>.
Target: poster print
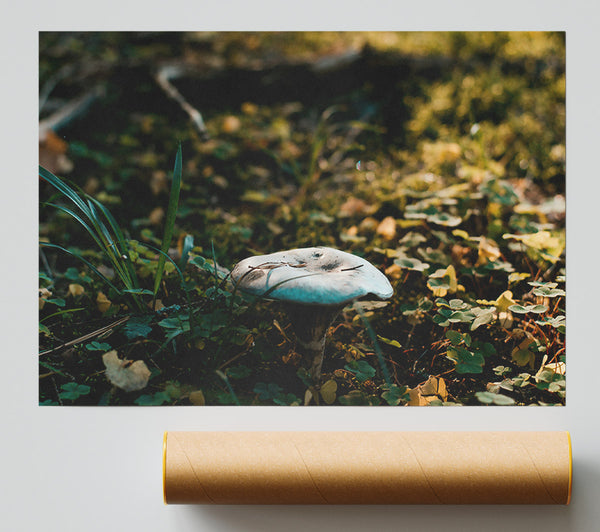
<point x="319" y="218"/>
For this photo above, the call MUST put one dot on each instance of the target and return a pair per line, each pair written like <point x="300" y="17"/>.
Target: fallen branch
<point x="87" y="336"/>
<point x="163" y="78"/>
<point x="69" y="111"/>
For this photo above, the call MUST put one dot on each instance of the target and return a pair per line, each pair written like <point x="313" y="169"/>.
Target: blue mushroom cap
<point x="311" y="276"/>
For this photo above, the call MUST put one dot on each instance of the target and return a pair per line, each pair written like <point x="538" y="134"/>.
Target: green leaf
<point x="455" y="337"/>
<point x="157" y="399"/>
<point x="395" y="395"/>
<point x="170" y="219"/>
<point x="489" y="398"/>
<point x="56" y="301"/>
<point x="188" y="245"/>
<point x="466" y="361"/>
<point x="98" y="346"/>
<point x="485" y="348"/>
<point x="139" y="291"/>
<point x="356" y="398"/>
<point x="362" y="370"/>
<point x="548" y="292"/>
<point x="411" y="264"/>
<point x="138" y="326"/>
<point x="52" y="368"/>
<point x="457" y="304"/>
<point x="523" y="357"/>
<point x="179" y="322"/>
<point x="89" y="264"/>
<point x="72" y="391"/>
<point x="238" y="372"/>
<point x="267" y="391"/>
<point x="482" y="317"/>
<point x="286" y="399"/>
<point x="520" y="309"/>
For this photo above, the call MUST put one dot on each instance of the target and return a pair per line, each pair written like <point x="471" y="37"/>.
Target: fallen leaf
<point x="159" y="182"/>
<point x="102" y="302"/>
<point x="387" y="228"/>
<point x="487" y="251"/>
<point x="434" y="389"/>
<point x="231" y="124"/>
<point x="52" y="153"/>
<point x="354" y="206"/>
<point x="76" y="289"/>
<point x="124" y="374"/>
<point x="197" y="398"/>
<point x="394" y="271"/>
<point x="368" y="225"/>
<point x="156" y="216"/>
<point x="328" y="391"/>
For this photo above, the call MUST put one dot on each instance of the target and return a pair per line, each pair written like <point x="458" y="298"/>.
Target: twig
<point x="69" y="111"/>
<point x="87" y="336"/>
<point x="163" y="78"/>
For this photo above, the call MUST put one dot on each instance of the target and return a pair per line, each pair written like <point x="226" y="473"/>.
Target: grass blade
<point x="86" y="262"/>
<point x="380" y="357"/>
<point x="121" y="243"/>
<point x="170" y="219"/>
<point x="113" y="247"/>
<point x="63" y="188"/>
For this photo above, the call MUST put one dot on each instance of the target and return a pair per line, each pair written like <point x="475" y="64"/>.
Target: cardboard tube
<point x="367" y="468"/>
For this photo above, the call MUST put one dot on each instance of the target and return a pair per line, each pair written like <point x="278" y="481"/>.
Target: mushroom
<point x="314" y="284"/>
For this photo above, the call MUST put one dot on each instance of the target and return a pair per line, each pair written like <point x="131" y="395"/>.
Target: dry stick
<point x="87" y="336"/>
<point x="69" y="111"/>
<point x="163" y="78"/>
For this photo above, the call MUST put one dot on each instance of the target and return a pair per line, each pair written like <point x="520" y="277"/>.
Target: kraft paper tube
<point x="367" y="467"/>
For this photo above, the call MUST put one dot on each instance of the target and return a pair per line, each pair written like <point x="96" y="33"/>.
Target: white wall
<point x="98" y="469"/>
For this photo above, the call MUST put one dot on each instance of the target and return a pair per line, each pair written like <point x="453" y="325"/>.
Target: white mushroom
<point x="315" y="284"/>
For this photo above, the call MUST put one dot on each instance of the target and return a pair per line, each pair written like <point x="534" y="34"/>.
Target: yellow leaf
<point x="416" y="399"/>
<point x="434" y="389"/>
<point x="102" y="302"/>
<point x="435" y="386"/>
<point x="504" y="301"/>
<point x="328" y="391"/>
<point x="449" y="277"/>
<point x="558" y="367"/>
<point x="394" y="271"/>
<point x="197" y="398"/>
<point x="387" y="228"/>
<point x="521" y="353"/>
<point x="403" y="224"/>
<point x="487" y="251"/>
<point x="76" y="290"/>
<point x="516" y="277"/>
<point x="550" y="247"/>
<point x="124" y="374"/>
<point x="156" y="216"/>
<point x="158" y="304"/>
<point x="461" y="233"/>
<point x="249" y="108"/>
<point x="231" y="124"/>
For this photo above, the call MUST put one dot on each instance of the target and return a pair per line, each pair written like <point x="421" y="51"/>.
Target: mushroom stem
<point x="310" y="323"/>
